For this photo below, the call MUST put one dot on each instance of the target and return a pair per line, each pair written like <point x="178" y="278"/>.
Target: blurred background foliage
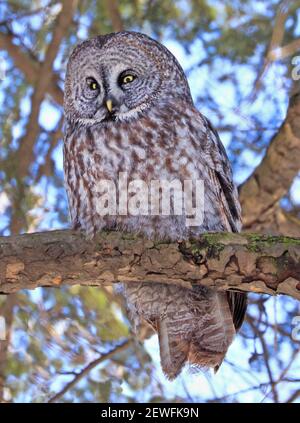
<point x="79" y="338"/>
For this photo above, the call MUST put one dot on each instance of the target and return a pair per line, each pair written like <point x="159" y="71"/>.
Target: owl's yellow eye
<point x="92" y="84"/>
<point x="127" y="79"/>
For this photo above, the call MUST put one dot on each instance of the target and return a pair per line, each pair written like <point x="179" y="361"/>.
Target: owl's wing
<point x="230" y="207"/>
<point x="222" y="175"/>
<point x="238" y="306"/>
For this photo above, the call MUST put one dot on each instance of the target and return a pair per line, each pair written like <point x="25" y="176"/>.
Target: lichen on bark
<point x="246" y="262"/>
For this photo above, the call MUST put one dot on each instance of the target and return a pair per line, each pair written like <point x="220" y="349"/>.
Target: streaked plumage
<point x="154" y="132"/>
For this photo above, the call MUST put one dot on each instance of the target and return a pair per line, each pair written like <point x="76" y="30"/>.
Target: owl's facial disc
<point x="119" y="76"/>
<point x="114" y="92"/>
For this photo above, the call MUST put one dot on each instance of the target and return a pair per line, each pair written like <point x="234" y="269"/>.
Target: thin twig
<point x="88" y="368"/>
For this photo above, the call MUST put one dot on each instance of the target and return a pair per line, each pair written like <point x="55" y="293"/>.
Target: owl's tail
<point x="198" y="334"/>
<point x="173" y="351"/>
<point x="194" y="326"/>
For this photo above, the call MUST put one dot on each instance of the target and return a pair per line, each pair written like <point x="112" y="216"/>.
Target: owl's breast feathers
<point x="164" y="144"/>
<point x="167" y="142"/>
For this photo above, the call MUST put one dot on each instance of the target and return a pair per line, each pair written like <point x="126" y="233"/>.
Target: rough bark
<point x="248" y="262"/>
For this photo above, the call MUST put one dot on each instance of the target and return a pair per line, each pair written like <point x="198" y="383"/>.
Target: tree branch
<point x="30" y="68"/>
<point x="247" y="262"/>
<point x="275" y="42"/>
<point x="114" y="14"/>
<point x="287" y="50"/>
<point x="88" y="368"/>
<point x="25" y="151"/>
<point x="260" y="194"/>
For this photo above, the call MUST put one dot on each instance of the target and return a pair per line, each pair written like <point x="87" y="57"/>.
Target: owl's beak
<point x="109" y="105"/>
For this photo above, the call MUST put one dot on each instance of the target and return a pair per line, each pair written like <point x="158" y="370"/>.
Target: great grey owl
<point x="129" y="110"/>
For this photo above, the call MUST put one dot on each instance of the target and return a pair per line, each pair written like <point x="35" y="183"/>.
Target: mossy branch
<point x="247" y="262"/>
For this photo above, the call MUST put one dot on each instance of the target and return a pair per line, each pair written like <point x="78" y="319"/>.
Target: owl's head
<point x="120" y="75"/>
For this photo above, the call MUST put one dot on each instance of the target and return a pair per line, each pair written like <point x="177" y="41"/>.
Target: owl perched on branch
<point x="129" y="110"/>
